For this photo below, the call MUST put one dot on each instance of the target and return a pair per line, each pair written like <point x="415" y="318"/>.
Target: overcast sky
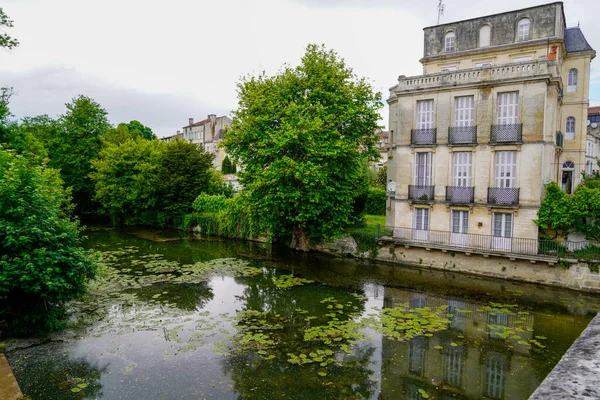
<point x="162" y="62"/>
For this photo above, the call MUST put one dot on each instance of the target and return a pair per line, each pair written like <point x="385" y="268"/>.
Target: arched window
<point x="567" y="176"/>
<point x="523" y="29"/>
<point x="570" y="129"/>
<point x="450" y="42"/>
<point x="572" y="80"/>
<point x="484" y="36"/>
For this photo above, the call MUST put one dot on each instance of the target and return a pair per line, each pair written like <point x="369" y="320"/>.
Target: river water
<point x="177" y="318"/>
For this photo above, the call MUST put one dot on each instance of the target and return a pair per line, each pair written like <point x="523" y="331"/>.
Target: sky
<point x="164" y="62"/>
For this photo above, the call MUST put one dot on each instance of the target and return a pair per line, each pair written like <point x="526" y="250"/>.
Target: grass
<point x="369" y="226"/>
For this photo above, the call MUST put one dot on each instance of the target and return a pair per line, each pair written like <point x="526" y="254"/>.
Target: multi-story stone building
<point x="499" y="111"/>
<point x="207" y="134"/>
<point x="592" y="147"/>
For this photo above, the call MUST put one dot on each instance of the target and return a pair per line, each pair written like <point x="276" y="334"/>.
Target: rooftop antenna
<point x="440" y="8"/>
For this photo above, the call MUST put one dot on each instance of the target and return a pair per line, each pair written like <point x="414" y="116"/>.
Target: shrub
<point x="42" y="263"/>
<point x="375" y="204"/>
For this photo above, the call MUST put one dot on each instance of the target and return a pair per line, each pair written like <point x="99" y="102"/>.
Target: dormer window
<point x="523" y="29"/>
<point x="484" y="36"/>
<point x="450" y="42"/>
<point x="572" y="80"/>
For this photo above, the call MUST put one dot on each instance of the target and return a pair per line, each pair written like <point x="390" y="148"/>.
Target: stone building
<point x="592" y="146"/>
<point x="499" y="111"/>
<point x="383" y="147"/>
<point x="207" y="134"/>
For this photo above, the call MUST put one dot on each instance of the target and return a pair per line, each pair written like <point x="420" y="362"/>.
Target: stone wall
<point x="576" y="276"/>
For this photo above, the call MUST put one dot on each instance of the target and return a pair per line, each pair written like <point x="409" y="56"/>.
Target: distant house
<point x="592" y="145"/>
<point x="383" y="147"/>
<point x="207" y="134"/>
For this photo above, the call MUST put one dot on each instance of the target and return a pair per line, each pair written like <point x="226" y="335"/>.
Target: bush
<point x="42" y="263"/>
<point x="375" y="203"/>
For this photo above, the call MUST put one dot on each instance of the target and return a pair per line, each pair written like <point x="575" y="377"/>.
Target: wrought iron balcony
<point x="420" y="193"/>
<point x="508" y="133"/>
<point x="559" y="139"/>
<point x="462" y="135"/>
<point x="503" y="196"/>
<point x="460" y="194"/>
<point x="423" y="136"/>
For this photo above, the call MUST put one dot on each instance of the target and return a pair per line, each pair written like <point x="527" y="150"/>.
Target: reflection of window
<point x="418" y="301"/>
<point x="450" y="42"/>
<point x="411" y="391"/>
<point x="454" y="363"/>
<point x="494" y="375"/>
<point x="457" y="320"/>
<point x="497" y="320"/>
<point x="416" y="355"/>
<point x="523" y="30"/>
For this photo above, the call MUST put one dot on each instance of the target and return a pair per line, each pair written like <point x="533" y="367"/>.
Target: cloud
<point x="46" y="90"/>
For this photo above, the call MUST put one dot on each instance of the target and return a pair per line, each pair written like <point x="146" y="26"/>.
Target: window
<point x="508" y="108"/>
<point x="484" y="36"/>
<point x="422" y="219"/>
<point x="461" y="169"/>
<point x="425" y="114"/>
<point x="463" y="111"/>
<point x="572" y="80"/>
<point x="423" y="169"/>
<point x="416" y="355"/>
<point x="505" y="169"/>
<point x="454" y="364"/>
<point x="570" y="129"/>
<point x="460" y="221"/>
<point x="450" y="41"/>
<point x="523" y="30"/>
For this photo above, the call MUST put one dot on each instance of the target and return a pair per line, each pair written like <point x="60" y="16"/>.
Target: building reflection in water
<point x="473" y="359"/>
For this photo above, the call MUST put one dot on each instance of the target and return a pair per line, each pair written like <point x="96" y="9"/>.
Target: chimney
<point x="191" y="121"/>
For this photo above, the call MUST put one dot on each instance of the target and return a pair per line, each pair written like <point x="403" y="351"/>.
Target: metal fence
<point x="423" y="136"/>
<point x="462" y="135"/>
<point x="503" y="196"/>
<point x="421" y="193"/>
<point x="508" y="133"/>
<point x="494" y="244"/>
<point x="460" y="194"/>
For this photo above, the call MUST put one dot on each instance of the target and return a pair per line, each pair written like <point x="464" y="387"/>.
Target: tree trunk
<point x="299" y="239"/>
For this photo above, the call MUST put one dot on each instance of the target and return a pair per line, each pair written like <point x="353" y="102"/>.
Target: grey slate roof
<point x="575" y="41"/>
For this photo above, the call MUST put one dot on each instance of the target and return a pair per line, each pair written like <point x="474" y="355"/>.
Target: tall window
<point x="572" y="80"/>
<point x="450" y="42"/>
<point x="502" y="225"/>
<point x="454" y="364"/>
<point x="484" y="36"/>
<point x="570" y="129"/>
<point x="494" y="375"/>
<point x="567" y="176"/>
<point x="423" y="169"/>
<point x="421" y="219"/>
<point x="463" y="111"/>
<point x="505" y="169"/>
<point x="461" y="169"/>
<point x="460" y="221"/>
<point x="523" y="29"/>
<point x="508" y="108"/>
<point x="425" y="114"/>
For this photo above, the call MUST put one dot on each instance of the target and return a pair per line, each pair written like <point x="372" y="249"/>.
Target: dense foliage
<point x="302" y="138"/>
<point x="562" y="213"/>
<point x="375" y="203"/>
<point x="150" y="182"/>
<point x="42" y="263"/>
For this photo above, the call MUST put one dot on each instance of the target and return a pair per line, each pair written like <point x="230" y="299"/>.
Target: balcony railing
<point x="423" y="136"/>
<point x="508" y="133"/>
<point x="503" y="196"/>
<point x="460" y="194"/>
<point x="420" y="193"/>
<point x="462" y="135"/>
<point x="559" y="139"/>
<point x="507" y="246"/>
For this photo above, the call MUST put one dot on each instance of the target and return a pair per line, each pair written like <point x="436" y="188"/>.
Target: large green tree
<point x="78" y="141"/>
<point x="126" y="178"/>
<point x="302" y="138"/>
